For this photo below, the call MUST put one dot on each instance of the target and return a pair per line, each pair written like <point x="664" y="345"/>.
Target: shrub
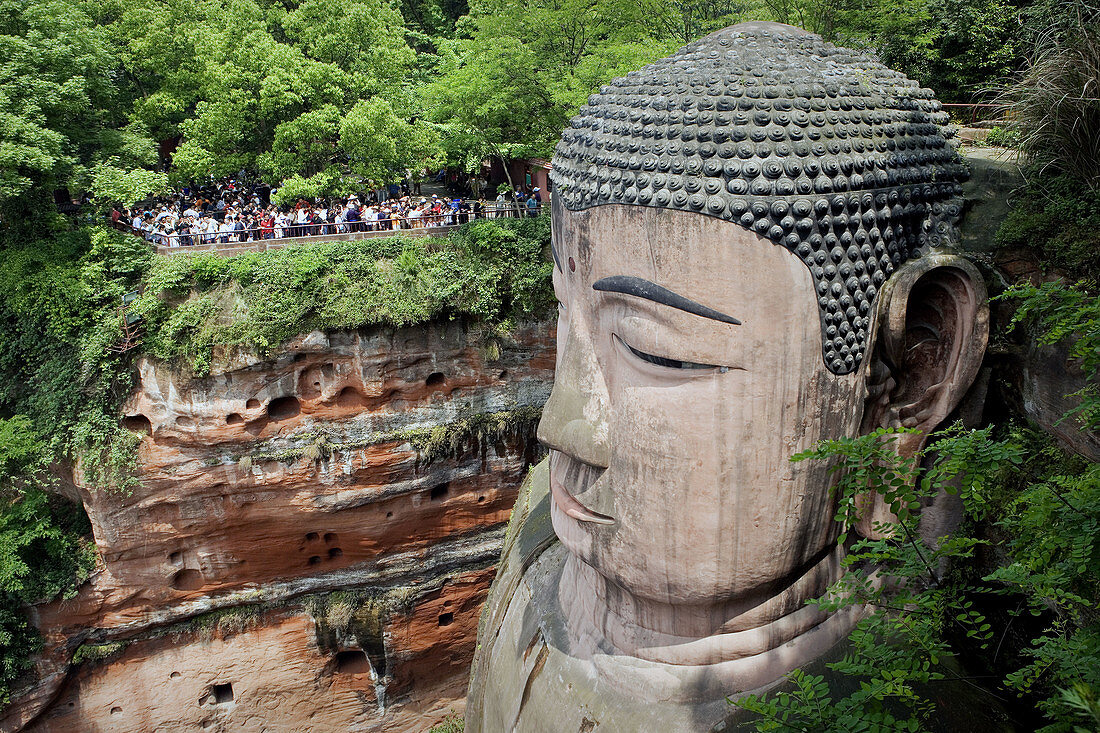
<point x="452" y="724"/>
<point x="489" y="271"/>
<point x="1003" y="137"/>
<point x="1056" y="104"/>
<point x="1058" y="218"/>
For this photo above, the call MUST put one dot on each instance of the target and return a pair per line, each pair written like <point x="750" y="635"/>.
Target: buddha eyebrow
<point x="640" y="288"/>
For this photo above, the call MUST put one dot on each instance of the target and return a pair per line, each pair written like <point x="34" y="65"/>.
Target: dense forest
<point x="126" y="99"/>
<point x="123" y="97"/>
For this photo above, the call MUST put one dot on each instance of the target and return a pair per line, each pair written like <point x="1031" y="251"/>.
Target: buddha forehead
<point x="815" y="148"/>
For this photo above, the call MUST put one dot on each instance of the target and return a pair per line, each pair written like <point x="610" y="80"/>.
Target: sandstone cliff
<point x="311" y="541"/>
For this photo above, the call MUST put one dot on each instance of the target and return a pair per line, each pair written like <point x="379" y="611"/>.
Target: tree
<point x="362" y="37"/>
<point x="521" y="69"/>
<point x="379" y="145"/>
<point x="59" y="105"/>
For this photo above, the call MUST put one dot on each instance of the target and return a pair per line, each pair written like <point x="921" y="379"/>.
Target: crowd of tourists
<point x="231" y="210"/>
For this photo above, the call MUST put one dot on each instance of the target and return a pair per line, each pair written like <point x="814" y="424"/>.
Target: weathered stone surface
<point x="1041" y="382"/>
<point x="1035" y="381"/>
<point x="297" y="475"/>
<point x="273" y="675"/>
<point x="987" y="196"/>
<point x="541" y="676"/>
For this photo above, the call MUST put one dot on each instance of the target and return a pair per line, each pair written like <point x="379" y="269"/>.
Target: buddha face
<point x="689" y="370"/>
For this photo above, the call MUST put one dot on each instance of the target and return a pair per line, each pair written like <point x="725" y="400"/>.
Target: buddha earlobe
<point x="933" y="327"/>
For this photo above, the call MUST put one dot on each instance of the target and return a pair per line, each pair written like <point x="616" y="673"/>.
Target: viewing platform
<point x="254" y="240"/>
<point x="228" y="249"/>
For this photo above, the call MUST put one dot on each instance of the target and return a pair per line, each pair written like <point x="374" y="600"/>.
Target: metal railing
<point x="972" y="113"/>
<point x="257" y="238"/>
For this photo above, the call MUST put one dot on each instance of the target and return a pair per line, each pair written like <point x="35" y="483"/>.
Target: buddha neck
<point x="605" y="619"/>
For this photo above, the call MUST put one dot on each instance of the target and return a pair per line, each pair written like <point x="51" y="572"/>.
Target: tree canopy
<point x="338" y="94"/>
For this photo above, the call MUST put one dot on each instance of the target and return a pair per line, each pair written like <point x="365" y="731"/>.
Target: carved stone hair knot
<point x="820" y="149"/>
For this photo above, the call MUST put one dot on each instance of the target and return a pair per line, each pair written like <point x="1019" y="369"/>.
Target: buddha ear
<point x="932" y="330"/>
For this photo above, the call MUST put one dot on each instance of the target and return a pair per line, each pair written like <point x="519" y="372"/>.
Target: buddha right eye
<point x="664" y="361"/>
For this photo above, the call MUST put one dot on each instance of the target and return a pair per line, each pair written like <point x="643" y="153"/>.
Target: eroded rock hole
<point x="352" y="662"/>
<point x="438" y="493"/>
<point x="174" y="676"/>
<point x="503" y="374"/>
<point x="330" y="537"/>
<point x="175" y="558"/>
<point x="481" y="500"/>
<point x="389" y="515"/>
<point x="234" y="419"/>
<point x="116" y="710"/>
<point x="309" y="383"/>
<point x="222" y="693"/>
<point x="350" y="397"/>
<point x="434" y="379"/>
<point x="255" y="427"/>
<point x="283" y="408"/>
<point x="314" y="560"/>
<point x="184" y="422"/>
<point x="446" y="619"/>
<point x="187" y="579"/>
<point x="311" y="537"/>
<point x="334" y="553"/>
<point x="138" y="423"/>
<point x="252" y="404"/>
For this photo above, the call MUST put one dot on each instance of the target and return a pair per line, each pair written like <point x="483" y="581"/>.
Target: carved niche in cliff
<point x="749" y="254"/>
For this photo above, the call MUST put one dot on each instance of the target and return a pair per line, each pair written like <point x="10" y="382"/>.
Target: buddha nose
<point x="574" y="420"/>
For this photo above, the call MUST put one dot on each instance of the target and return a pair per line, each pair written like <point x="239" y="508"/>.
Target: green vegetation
<point x="1056" y="127"/>
<point x="223" y="622"/>
<point x="1002" y="137"/>
<point x="1057" y="312"/>
<point x="1042" y="509"/>
<point x="1056" y="108"/>
<point x="1057" y="218"/>
<point x="361" y="615"/>
<point x="42" y="551"/>
<point x="332" y="96"/>
<point x="450" y="439"/>
<point x="452" y="724"/>
<point x="95" y="653"/>
<point x="490" y="271"/>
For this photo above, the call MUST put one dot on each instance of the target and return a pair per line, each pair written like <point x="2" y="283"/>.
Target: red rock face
<point x="273" y="675"/>
<point x="268" y="487"/>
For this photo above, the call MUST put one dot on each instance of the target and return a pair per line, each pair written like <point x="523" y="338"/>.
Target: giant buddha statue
<point x="750" y="243"/>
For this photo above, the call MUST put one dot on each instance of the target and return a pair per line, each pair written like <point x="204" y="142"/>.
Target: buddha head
<point x="748" y="243"/>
